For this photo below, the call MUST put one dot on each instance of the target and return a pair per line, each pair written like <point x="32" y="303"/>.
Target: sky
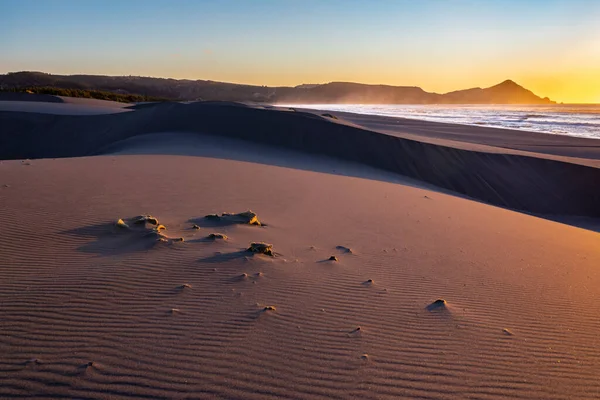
<point x="551" y="47"/>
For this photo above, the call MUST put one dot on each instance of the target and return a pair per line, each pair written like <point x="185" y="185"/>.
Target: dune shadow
<point x="244" y="277"/>
<point x="204" y="223"/>
<point x="344" y="249"/>
<point x="178" y="290"/>
<point x="224" y="257"/>
<point x="440" y="306"/>
<point x="364" y="146"/>
<point x="329" y="260"/>
<point x="210" y="239"/>
<point x="251" y="315"/>
<point x="227" y="219"/>
<point x="226" y="148"/>
<point x="587" y="223"/>
<point x="111" y="240"/>
<point x="30" y="97"/>
<point x="262" y="312"/>
<point x="239" y="278"/>
<point x="244" y="255"/>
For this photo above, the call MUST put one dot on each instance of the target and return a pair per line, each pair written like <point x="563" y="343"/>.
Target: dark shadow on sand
<point x="245" y="255"/>
<point x="224" y="257"/>
<point x="110" y="240"/>
<point x="238" y="150"/>
<point x="587" y="223"/>
<point x="526" y="183"/>
<point x="220" y="222"/>
<point x="207" y="239"/>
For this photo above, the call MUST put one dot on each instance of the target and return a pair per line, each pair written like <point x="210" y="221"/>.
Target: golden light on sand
<point x="120" y="273"/>
<point x="315" y="199"/>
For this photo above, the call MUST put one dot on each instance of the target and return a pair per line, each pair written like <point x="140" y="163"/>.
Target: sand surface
<point x="91" y="311"/>
<point x="81" y="107"/>
<point x="529" y="182"/>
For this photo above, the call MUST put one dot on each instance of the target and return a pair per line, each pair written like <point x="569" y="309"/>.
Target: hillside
<point x="507" y="92"/>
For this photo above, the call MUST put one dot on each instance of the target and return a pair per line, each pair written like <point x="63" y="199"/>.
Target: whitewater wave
<point x="570" y="120"/>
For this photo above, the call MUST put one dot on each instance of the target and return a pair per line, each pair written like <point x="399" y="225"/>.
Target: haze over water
<point x="580" y="120"/>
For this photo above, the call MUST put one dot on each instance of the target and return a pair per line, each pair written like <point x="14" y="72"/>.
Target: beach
<point x="410" y="259"/>
<point x="577" y="120"/>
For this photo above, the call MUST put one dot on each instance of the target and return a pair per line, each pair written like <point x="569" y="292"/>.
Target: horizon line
<point x="277" y="86"/>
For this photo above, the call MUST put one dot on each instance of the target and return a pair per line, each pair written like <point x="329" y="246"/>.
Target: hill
<point x="84" y="93"/>
<point x="507" y="92"/>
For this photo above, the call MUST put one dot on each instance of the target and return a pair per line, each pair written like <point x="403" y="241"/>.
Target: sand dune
<point x="87" y="294"/>
<point x="525" y="182"/>
<point x="89" y="311"/>
<point x="58" y="108"/>
<point x="58" y="105"/>
<point x="48" y="98"/>
<point x="31" y="97"/>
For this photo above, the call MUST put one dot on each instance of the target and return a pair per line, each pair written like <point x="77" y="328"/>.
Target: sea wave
<point x="571" y="120"/>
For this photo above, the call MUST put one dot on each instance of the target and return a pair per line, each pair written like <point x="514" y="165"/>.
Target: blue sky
<point x="552" y="46"/>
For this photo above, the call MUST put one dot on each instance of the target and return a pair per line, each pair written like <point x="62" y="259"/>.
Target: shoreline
<point x="527" y="109"/>
<point x="455" y="133"/>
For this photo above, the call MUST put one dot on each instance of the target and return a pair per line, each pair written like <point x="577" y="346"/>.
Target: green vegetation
<point x="85" y="93"/>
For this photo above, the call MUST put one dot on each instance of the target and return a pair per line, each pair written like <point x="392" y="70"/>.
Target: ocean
<point x="581" y="120"/>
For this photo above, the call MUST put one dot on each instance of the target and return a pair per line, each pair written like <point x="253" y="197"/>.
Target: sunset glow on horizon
<point x="549" y="47"/>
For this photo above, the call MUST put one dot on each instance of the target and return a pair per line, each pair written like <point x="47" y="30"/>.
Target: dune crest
<point x="524" y="182"/>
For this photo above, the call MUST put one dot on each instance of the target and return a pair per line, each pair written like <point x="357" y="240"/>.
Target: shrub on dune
<point x="246" y="217"/>
<point x="261" y="248"/>
<point x="215" y="236"/>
